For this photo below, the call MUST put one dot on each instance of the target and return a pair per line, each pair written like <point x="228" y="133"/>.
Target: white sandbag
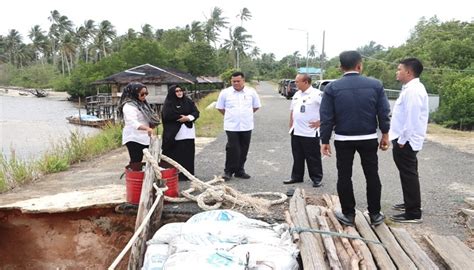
<point x="217" y="215"/>
<point x="166" y="233"/>
<point x="267" y="257"/>
<point x="155" y="257"/>
<point x="204" y="259"/>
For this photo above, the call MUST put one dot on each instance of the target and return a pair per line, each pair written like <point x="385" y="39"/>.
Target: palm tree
<point x="196" y="31"/>
<point x="214" y="24"/>
<point x="39" y="42"/>
<point x="255" y="53"/>
<point x="13" y="42"/>
<point x="85" y="34"/>
<point x="296" y="56"/>
<point x="147" y="32"/>
<point x="244" y="15"/>
<point x="131" y="34"/>
<point x="60" y="27"/>
<point x="237" y="43"/>
<point x="106" y="32"/>
<point x="312" y="52"/>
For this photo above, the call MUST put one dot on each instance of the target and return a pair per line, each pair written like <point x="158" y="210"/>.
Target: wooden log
<point x="455" y="254"/>
<point x="398" y="255"/>
<point x="379" y="253"/>
<point x="311" y="256"/>
<point x="328" y="241"/>
<point x="294" y="234"/>
<point x="344" y="242"/>
<point x="360" y="248"/>
<point x="328" y="201"/>
<point x="313" y="211"/>
<point x="413" y="250"/>
<point x="146" y="201"/>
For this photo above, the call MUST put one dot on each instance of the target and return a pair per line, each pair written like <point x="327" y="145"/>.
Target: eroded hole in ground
<point x="87" y="239"/>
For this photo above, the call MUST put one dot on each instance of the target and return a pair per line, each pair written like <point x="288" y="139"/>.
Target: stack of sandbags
<point x="221" y="238"/>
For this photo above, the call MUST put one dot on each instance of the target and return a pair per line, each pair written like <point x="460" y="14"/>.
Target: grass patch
<point x="436" y="129"/>
<point x="72" y="150"/>
<point x="210" y="119"/>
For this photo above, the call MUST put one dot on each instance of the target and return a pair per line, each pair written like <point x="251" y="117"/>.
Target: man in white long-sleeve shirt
<point x="407" y="133"/>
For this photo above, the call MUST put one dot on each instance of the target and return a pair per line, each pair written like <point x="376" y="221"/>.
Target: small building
<point x="155" y="78"/>
<point x="313" y="72"/>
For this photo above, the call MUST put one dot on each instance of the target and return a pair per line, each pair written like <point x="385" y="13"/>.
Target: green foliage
<point x="35" y="76"/>
<point x="52" y="163"/>
<point x="456" y="110"/>
<point x="198" y="58"/>
<point x="141" y="51"/>
<point x="287" y="72"/>
<point x="14" y="171"/>
<point x="227" y="75"/>
<point x="210" y="119"/>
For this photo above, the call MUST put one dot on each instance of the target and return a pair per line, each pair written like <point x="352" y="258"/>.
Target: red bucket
<point x="170" y="175"/>
<point x="134" y="182"/>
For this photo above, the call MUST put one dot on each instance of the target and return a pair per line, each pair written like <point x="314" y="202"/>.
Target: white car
<point x="321" y="84"/>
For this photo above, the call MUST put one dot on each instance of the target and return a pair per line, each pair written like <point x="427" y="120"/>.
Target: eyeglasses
<point x="178" y="90"/>
<point x="144" y="94"/>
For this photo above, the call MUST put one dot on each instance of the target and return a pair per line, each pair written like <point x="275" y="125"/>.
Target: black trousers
<point x="306" y="149"/>
<point x="237" y="147"/>
<point x="407" y="164"/>
<point x="135" y="151"/>
<point x="183" y="152"/>
<point x="367" y="150"/>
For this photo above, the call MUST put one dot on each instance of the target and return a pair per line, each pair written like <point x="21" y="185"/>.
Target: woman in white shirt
<point x="140" y="121"/>
<point x="179" y="113"/>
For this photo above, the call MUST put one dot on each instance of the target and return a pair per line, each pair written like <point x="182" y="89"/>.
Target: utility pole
<point x="307" y="44"/>
<point x="322" y="57"/>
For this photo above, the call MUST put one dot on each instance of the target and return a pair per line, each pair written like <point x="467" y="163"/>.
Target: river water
<point x="30" y="126"/>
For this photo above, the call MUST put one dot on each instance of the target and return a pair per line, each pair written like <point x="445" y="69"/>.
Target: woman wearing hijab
<point x="179" y="113"/>
<point x="140" y="121"/>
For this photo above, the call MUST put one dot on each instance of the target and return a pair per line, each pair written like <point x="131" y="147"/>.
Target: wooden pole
<point x="412" y="249"/>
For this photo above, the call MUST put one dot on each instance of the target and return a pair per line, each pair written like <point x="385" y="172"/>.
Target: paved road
<point x="446" y="174"/>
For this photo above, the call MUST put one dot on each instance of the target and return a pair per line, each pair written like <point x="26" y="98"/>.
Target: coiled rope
<point x="214" y="193"/>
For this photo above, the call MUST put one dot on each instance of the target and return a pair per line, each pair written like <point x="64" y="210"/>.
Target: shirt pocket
<point x="232" y="102"/>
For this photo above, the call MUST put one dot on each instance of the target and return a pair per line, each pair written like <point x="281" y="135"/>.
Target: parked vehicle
<point x="282" y="86"/>
<point x="321" y="84"/>
<point x="290" y="89"/>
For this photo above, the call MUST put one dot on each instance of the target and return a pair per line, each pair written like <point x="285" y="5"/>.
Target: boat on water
<point x="88" y="120"/>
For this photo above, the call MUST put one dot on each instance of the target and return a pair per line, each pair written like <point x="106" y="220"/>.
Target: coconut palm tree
<point x="85" y="34"/>
<point x="147" y="32"/>
<point x="106" y="32"/>
<point x="196" y="31"/>
<point x="255" y="53"/>
<point x="214" y="24"/>
<point x="13" y="42"/>
<point x="296" y="56"/>
<point x="312" y="52"/>
<point x="244" y="15"/>
<point x="39" y="42"/>
<point x="237" y="43"/>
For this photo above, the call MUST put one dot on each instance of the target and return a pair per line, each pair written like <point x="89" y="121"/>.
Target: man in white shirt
<point x="407" y="132"/>
<point x="238" y="104"/>
<point x="304" y="130"/>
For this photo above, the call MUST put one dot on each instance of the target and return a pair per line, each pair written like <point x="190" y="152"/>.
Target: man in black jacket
<point x="354" y="106"/>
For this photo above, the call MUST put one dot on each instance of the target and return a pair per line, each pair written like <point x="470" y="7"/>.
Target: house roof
<point x="209" y="79"/>
<point x="149" y="74"/>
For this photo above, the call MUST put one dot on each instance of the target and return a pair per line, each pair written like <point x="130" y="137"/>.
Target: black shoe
<point x="291" y="181"/>
<point x="399" y="207"/>
<point x="317" y="184"/>
<point x="376" y="219"/>
<point x="404" y="218"/>
<point x="226" y="176"/>
<point x="345" y="219"/>
<point x="242" y="175"/>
